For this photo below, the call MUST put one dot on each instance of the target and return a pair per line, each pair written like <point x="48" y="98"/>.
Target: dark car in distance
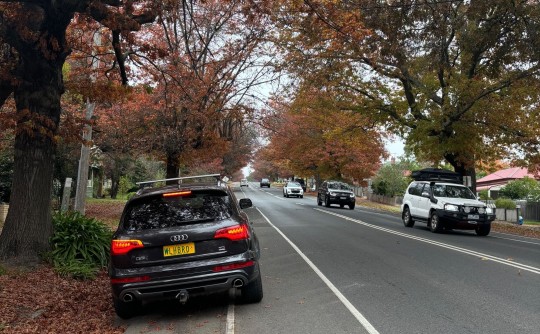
<point x="265" y="183"/>
<point x="336" y="192"/>
<point x="183" y="240"/>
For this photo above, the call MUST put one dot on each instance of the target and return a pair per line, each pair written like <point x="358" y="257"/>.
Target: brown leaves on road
<point x="40" y="301"/>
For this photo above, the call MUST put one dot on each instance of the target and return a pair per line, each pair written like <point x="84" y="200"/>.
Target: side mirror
<point x="245" y="203"/>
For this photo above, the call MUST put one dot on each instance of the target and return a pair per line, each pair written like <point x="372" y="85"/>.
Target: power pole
<point x="82" y="174"/>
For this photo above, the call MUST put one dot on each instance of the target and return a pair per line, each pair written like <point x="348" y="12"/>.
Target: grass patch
<point x="531" y="222"/>
<point x="3" y="271"/>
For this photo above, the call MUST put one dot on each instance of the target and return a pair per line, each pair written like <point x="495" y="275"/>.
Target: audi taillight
<point x="234" y="233"/>
<point x="233" y="266"/>
<point x="121" y="247"/>
<point x="124" y="280"/>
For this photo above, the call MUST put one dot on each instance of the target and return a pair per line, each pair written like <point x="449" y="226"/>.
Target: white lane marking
<point x="230" y="319"/>
<point x="363" y="321"/>
<point x="524" y="241"/>
<point x="483" y="256"/>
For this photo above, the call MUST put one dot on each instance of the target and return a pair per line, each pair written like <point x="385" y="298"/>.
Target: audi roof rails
<point x="436" y="174"/>
<point x="190" y="179"/>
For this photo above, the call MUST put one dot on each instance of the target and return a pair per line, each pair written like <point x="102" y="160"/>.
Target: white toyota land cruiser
<point x="438" y="198"/>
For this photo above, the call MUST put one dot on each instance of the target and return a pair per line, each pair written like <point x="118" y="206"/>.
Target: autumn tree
<point x="34" y="49"/>
<point x="202" y="97"/>
<point x="458" y="79"/>
<point x="319" y="133"/>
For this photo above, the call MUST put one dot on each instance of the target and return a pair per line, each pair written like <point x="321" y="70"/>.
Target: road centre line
<point x="524" y="241"/>
<point x="483" y="256"/>
<point x="363" y="321"/>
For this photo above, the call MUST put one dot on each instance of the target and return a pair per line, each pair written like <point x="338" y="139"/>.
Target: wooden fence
<point x="529" y="210"/>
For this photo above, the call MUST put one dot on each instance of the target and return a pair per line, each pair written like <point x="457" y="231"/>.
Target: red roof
<point x="504" y="176"/>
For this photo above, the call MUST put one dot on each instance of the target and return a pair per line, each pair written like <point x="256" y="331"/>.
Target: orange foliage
<point x="320" y="134"/>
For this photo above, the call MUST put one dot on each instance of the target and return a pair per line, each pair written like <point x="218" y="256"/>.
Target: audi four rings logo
<point x="179" y="237"/>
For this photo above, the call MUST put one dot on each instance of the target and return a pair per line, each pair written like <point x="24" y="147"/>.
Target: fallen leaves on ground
<point x="40" y="301"/>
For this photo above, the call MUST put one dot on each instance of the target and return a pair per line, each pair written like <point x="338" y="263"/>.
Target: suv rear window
<point x="161" y="212"/>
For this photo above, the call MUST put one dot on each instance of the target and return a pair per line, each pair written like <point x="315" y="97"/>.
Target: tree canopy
<point x="458" y="79"/>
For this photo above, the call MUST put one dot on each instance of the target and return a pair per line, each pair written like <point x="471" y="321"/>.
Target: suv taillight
<point x="121" y="247"/>
<point x="237" y="232"/>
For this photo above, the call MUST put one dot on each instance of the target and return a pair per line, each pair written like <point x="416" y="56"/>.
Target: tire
<point x="407" y="218"/>
<point x="483" y="230"/>
<point x="301" y="196"/>
<point x="351" y="206"/>
<point x="319" y="202"/>
<point x="252" y="292"/>
<point x="435" y="226"/>
<point x="126" y="310"/>
<point x="341" y="205"/>
<point x="286" y="195"/>
<point x="326" y="202"/>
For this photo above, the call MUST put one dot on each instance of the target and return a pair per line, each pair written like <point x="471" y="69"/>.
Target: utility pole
<point x="82" y="174"/>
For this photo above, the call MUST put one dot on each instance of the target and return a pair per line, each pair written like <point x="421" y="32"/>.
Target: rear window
<point x="162" y="212"/>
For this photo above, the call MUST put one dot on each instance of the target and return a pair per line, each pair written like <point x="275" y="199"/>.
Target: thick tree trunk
<point x="462" y="169"/>
<point x="37" y="92"/>
<point x="28" y="226"/>
<point x="27" y="229"/>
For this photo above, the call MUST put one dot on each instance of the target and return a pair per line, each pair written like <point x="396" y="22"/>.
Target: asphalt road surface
<point x="335" y="270"/>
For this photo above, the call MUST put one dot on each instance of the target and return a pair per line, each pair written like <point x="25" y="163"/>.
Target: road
<point x="333" y="270"/>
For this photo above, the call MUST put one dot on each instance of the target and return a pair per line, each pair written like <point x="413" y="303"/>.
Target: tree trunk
<point x="28" y="226"/>
<point x="115" y="185"/>
<point x="462" y="169"/>
<point x="173" y="165"/>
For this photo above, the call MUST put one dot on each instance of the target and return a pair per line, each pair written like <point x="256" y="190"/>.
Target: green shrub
<point x="505" y="203"/>
<point x="3" y="271"/>
<point x="80" y="245"/>
<point x="483" y="195"/>
<point x="76" y="269"/>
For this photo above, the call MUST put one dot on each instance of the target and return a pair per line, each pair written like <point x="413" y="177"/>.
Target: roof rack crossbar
<point x="217" y="176"/>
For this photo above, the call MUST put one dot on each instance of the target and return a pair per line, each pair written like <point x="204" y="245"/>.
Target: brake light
<point x="124" y="280"/>
<point x="233" y="266"/>
<point x="178" y="193"/>
<point x="121" y="247"/>
<point x="237" y="232"/>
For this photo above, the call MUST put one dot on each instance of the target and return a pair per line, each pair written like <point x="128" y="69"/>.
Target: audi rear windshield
<point x="162" y="212"/>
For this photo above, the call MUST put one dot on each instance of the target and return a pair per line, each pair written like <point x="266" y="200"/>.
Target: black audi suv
<point x="183" y="240"/>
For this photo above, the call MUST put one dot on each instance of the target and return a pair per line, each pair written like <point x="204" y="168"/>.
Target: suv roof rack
<point x="217" y="177"/>
<point x="436" y="174"/>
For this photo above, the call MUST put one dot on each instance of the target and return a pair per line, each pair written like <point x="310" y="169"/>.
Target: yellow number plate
<point x="180" y="249"/>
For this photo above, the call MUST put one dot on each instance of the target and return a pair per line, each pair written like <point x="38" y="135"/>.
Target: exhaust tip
<point x="128" y="297"/>
<point x="182" y="296"/>
<point x="238" y="283"/>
